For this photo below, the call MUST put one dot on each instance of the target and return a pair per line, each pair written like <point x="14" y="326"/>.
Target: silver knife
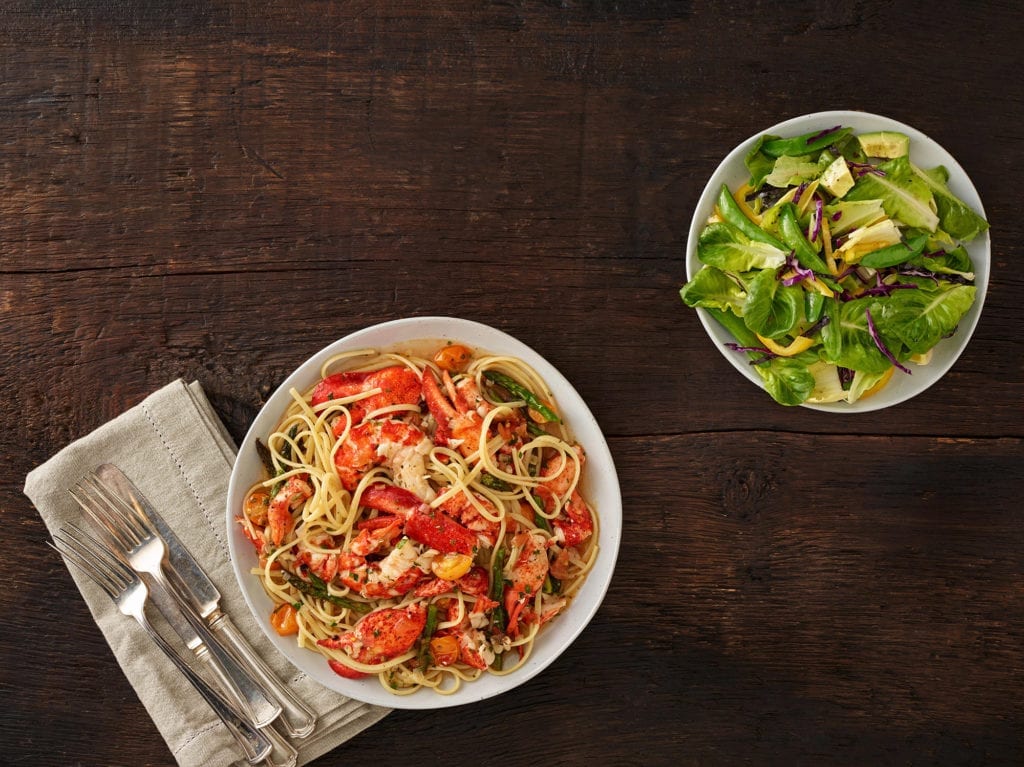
<point x="257" y="744"/>
<point x="297" y="719"/>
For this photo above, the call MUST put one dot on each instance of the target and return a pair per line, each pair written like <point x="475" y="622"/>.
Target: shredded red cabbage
<point x="914" y="271"/>
<point x="881" y="347"/>
<point x="837" y="215"/>
<point x="824" y="133"/>
<point x="801" y="273"/>
<point x="861" y="168"/>
<point x="883" y="289"/>
<point x="815" y="229"/>
<point x="798" y="193"/>
<point x="817" y="326"/>
<point x="768" y="354"/>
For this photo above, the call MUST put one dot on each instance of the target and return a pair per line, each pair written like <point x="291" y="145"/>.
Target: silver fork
<point x="146" y="552"/>
<point x="129" y="593"/>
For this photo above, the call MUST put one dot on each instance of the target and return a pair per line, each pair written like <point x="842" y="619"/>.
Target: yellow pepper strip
<point x="826" y="237"/>
<point x="879" y="385"/>
<point x="800" y="344"/>
<point x="807" y="198"/>
<point x="815" y="285"/>
<point x="740" y="195"/>
<point x="819" y="286"/>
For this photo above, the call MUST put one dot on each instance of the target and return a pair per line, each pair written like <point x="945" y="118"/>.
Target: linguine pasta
<point x="422" y="516"/>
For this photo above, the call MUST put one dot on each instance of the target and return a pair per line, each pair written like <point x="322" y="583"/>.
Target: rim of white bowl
<point x="731" y="170"/>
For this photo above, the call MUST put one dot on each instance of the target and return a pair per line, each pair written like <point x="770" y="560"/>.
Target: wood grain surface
<point x="215" y="190"/>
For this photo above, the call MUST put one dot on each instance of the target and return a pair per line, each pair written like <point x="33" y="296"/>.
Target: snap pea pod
<point x="895" y="254"/>
<point x="808" y="143"/>
<point x="814" y="305"/>
<point x="734" y="215"/>
<point x="734" y="325"/>
<point x="522" y="393"/>
<point x="794" y="238"/>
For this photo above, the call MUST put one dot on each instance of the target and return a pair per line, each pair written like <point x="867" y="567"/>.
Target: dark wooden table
<point x="214" y="190"/>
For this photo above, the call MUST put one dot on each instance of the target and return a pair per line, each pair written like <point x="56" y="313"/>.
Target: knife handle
<point x="296" y="719"/>
<point x="233" y="675"/>
<point x="283" y="754"/>
<point x="254" y="742"/>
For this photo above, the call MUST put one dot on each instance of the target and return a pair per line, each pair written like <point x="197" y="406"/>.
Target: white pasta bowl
<point x="599" y="485"/>
<point x="925" y="153"/>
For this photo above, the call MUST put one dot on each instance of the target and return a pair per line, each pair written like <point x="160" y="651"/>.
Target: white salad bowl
<point x="599" y="485"/>
<point x="925" y="153"/>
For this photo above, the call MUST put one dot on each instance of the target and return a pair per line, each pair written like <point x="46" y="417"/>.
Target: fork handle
<point x="283" y="753"/>
<point x="254" y="743"/>
<point x="236" y="678"/>
<point x="296" y="719"/>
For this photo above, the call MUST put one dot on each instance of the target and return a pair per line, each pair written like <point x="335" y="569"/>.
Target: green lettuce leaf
<point x="852" y="215"/>
<point x="724" y="246"/>
<point x="955" y="216"/>
<point x="862" y="382"/>
<point x="758" y="163"/>
<point x="846" y="340"/>
<point x="904" y="194"/>
<point x="788" y="379"/>
<point x="921" y="318"/>
<point x="790" y="171"/>
<point x="955" y="261"/>
<point x="712" y="288"/>
<point x="771" y="309"/>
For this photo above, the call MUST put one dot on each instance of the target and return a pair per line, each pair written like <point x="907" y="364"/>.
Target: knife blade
<point x="192" y="582"/>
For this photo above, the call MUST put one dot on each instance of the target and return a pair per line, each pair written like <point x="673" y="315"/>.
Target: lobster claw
<point x="381" y="635"/>
<point x="398" y="386"/>
<point x="423" y="524"/>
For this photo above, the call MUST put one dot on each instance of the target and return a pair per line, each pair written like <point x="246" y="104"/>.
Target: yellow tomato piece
<point x="445" y="650"/>
<point x="284" y="621"/>
<point x="256" y="506"/>
<point x="800" y="344"/>
<point x="451" y="567"/>
<point x="453" y="357"/>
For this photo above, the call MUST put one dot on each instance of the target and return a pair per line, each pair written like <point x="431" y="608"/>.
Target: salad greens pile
<point x="839" y="262"/>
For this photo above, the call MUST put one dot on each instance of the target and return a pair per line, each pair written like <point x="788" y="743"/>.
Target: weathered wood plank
<point x="216" y="190"/>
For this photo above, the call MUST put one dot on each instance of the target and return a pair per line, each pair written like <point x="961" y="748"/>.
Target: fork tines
<point x="92" y="557"/>
<point x="117" y="517"/>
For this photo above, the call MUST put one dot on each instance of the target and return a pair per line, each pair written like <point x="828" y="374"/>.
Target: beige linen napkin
<point x="176" y="451"/>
